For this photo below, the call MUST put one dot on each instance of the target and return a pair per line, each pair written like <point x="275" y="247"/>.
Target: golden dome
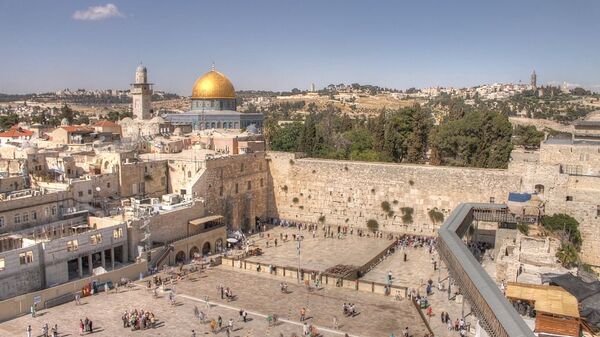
<point x="212" y="85"/>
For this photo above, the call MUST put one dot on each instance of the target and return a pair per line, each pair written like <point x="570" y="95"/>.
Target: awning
<point x="547" y="299"/>
<point x="205" y="219"/>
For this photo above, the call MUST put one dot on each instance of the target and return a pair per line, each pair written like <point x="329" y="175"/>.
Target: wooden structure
<point x="557" y="312"/>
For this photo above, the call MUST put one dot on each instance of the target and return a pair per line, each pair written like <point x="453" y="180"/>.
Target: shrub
<point x="386" y="207"/>
<point x="346" y="168"/>
<point x="407" y="213"/>
<point x="436" y="216"/>
<point x="411" y="182"/>
<point x="291" y="162"/>
<point x="373" y="225"/>
<point x="395" y="202"/>
<point x="295" y="200"/>
<point x="565" y="224"/>
<point x="567" y="255"/>
<point x="322" y="219"/>
<point x="301" y="207"/>
<point x="284" y="188"/>
<point x="523" y="228"/>
<point x="373" y="190"/>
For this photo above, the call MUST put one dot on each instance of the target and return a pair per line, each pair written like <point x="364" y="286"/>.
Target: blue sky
<point x="279" y="45"/>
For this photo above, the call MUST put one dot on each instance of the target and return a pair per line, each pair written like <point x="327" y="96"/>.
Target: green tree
<point x="565" y="225"/>
<point x="6" y="121"/>
<point x="286" y="137"/>
<point x="527" y="136"/>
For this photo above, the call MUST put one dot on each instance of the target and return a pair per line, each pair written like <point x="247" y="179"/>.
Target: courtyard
<point x="259" y="296"/>
<point x="316" y="253"/>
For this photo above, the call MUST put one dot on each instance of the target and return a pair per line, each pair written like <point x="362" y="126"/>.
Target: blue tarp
<point x="519" y="197"/>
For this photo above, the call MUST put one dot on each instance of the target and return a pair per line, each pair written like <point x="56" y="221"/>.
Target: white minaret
<point x="141" y="92"/>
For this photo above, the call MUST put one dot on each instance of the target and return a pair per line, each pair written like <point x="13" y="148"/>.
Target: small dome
<point x="213" y="85"/>
<point x="126" y="120"/>
<point x="140" y="68"/>
<point x="157" y="120"/>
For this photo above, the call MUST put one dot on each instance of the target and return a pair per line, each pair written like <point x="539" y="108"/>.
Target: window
<point x="53" y="210"/>
<point x="96" y="239"/>
<point x="47" y="211"/>
<point x="118" y="233"/>
<point x="33" y="215"/>
<point x="261" y="182"/>
<point x="236" y="188"/>
<point x="25" y="217"/>
<point x="492" y="200"/>
<point x="569" y="198"/>
<point x="221" y="191"/>
<point x="597" y="214"/>
<point x="80" y="193"/>
<point x="249" y="185"/>
<point x="1" y="264"/>
<point x="242" y="168"/>
<point x="1" y="221"/>
<point x="17" y="218"/>
<point x="72" y="245"/>
<point x="163" y="181"/>
<point x="26" y="258"/>
<point x="107" y="185"/>
<point x="89" y="192"/>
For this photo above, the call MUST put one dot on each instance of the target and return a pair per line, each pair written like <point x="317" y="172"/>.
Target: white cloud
<point x="96" y="13"/>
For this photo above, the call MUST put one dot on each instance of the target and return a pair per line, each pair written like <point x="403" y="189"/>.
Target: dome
<point x="157" y="120"/>
<point x="140" y="68"/>
<point x="213" y="85"/>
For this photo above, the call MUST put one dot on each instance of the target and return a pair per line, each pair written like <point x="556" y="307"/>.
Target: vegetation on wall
<point x="407" y="214"/>
<point x="523" y="228"/>
<point x="295" y="200"/>
<point x="436" y="216"/>
<point x="373" y="225"/>
<point x="322" y="219"/>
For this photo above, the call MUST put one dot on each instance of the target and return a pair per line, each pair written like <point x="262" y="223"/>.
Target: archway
<point x="206" y="248"/>
<point x="219" y="245"/>
<point x="539" y="189"/>
<point x="180" y="257"/>
<point x="194" y="253"/>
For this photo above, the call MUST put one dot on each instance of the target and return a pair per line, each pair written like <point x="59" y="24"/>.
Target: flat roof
<point x="548" y="299"/>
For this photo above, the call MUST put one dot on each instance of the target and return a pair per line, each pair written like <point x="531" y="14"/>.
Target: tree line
<point x="465" y="137"/>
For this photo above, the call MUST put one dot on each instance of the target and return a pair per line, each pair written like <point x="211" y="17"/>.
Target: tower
<point x="534" y="80"/>
<point x="141" y="93"/>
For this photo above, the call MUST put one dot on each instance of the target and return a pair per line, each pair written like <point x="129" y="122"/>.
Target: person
<point x="33" y="310"/>
<point x="193" y="333"/>
<point x="28" y="331"/>
<point x="219" y="322"/>
<point x="302" y="314"/>
<point x="106" y="288"/>
<point x="245" y="315"/>
<point x="230" y="324"/>
<point x="405" y="333"/>
<point x="81" y="327"/>
<point x="77" y="297"/>
<point x="45" y="330"/>
<point x="213" y="325"/>
<point x="55" y="330"/>
<point x="305" y="330"/>
<point x="335" y="323"/>
<point x="91" y="327"/>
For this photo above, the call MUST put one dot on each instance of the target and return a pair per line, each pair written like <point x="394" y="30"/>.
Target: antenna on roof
<point x="212" y="67"/>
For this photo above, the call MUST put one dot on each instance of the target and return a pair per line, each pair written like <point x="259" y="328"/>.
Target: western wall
<point x="352" y="193"/>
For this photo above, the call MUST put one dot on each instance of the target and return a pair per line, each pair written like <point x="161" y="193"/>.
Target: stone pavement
<point x="317" y="253"/>
<point x="378" y="316"/>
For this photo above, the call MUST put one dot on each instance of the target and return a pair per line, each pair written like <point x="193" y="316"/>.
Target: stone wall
<point x="236" y="187"/>
<point x="351" y="193"/>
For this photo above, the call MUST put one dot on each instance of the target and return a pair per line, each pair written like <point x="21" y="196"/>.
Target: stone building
<point x="141" y="93"/>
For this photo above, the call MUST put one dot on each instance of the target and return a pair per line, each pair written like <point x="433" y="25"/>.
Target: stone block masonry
<point x="352" y="193"/>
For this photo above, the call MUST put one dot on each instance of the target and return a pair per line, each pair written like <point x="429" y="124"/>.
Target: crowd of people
<point x="138" y="320"/>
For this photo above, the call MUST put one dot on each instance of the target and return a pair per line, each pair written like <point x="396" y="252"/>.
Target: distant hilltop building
<point x="214" y="106"/>
<point x="141" y="93"/>
<point x="534" y="80"/>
